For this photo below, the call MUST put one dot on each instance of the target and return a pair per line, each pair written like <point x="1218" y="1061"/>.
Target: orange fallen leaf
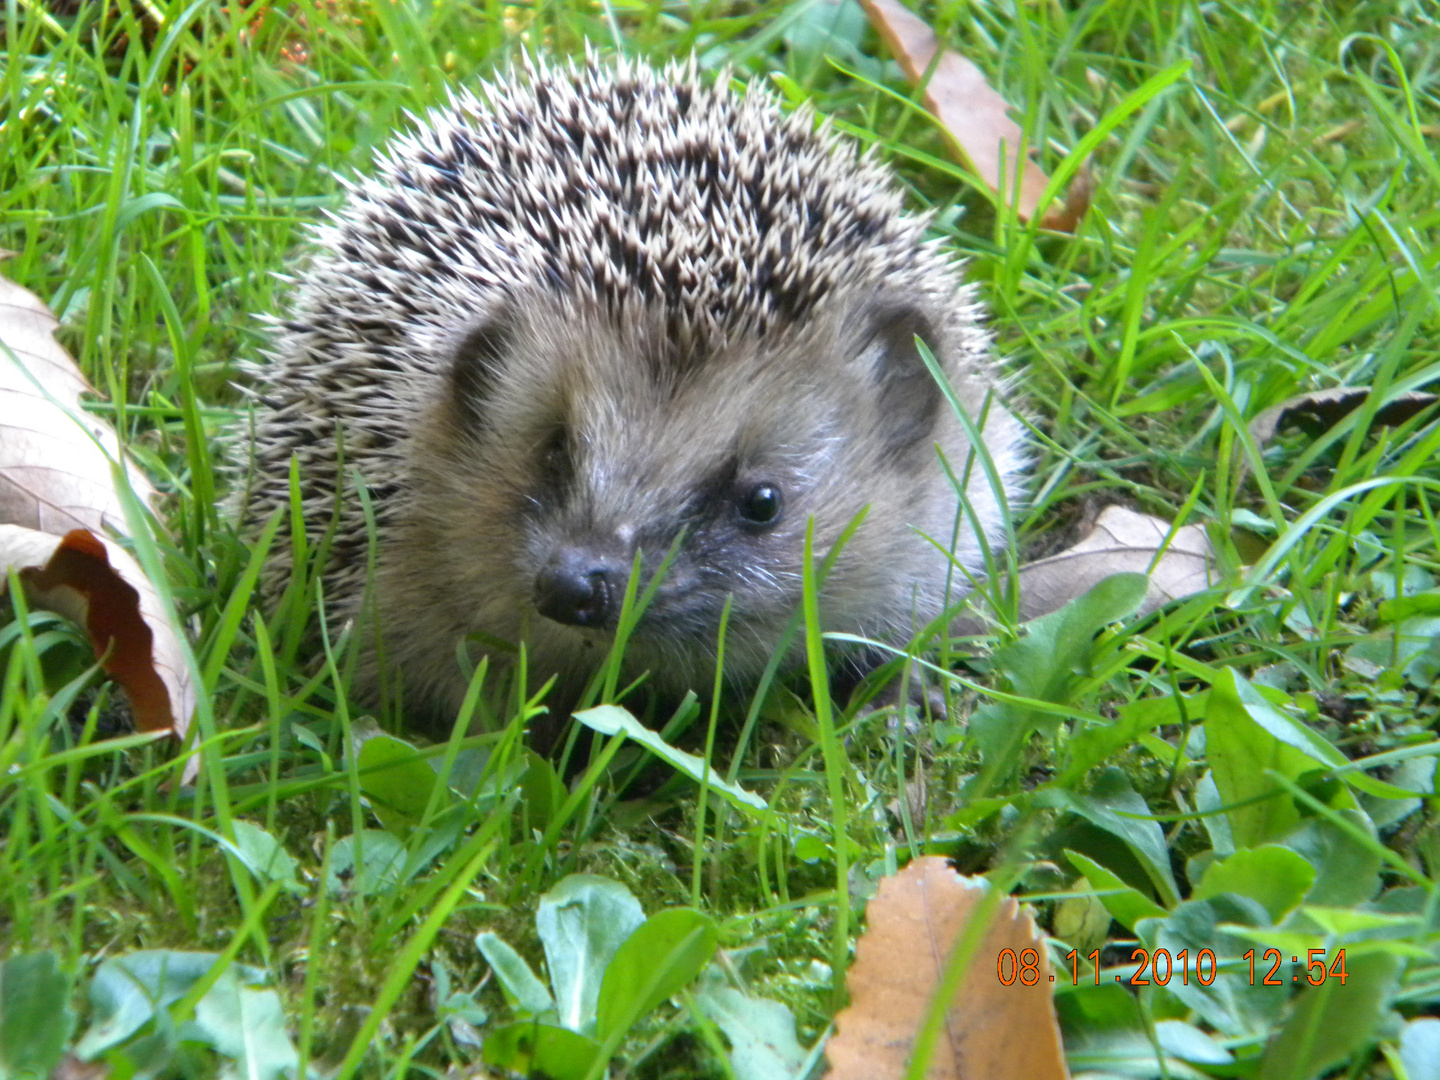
<point x="992" y="1031"/>
<point x="98" y="585"/>
<point x="974" y="118"/>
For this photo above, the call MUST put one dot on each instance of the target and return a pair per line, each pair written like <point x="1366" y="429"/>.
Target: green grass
<point x="1265" y="224"/>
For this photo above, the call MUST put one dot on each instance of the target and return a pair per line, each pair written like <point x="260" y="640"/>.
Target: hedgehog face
<point x="590" y="445"/>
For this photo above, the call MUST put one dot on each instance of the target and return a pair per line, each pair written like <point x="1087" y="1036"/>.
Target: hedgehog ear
<point x="478" y="356"/>
<point x="909" y="399"/>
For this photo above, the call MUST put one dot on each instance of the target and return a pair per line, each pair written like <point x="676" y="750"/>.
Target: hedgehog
<point x="596" y="320"/>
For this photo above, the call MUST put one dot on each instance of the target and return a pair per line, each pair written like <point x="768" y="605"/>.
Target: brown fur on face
<point x="555" y="427"/>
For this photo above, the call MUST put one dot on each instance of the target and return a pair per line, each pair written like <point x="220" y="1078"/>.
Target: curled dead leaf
<point x="991" y="1030"/>
<point x="98" y="585"/>
<point x="974" y="118"/>
<point x="55" y="458"/>
<point x="56" y="477"/>
<point x="1320" y="410"/>
<point x="1121" y="541"/>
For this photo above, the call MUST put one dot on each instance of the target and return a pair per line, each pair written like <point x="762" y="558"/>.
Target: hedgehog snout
<point x="582" y="585"/>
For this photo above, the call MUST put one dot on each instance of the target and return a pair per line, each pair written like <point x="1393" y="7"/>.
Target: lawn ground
<point x="1251" y="768"/>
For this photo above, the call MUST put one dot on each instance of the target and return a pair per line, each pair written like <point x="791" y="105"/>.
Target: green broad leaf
<point x="1409" y="646"/>
<point x="541" y="790"/>
<point x="534" y="1049"/>
<point x="307" y="738"/>
<point x="1275" y="876"/>
<point x="1248" y="519"/>
<point x="1080" y="919"/>
<point x="821" y="30"/>
<point x="470" y="768"/>
<point x="266" y="857"/>
<point x="1412" y="582"/>
<point x="612" y="719"/>
<point x="1000" y="731"/>
<point x="521" y="986"/>
<point x="1125" y="1052"/>
<point x="1044" y="665"/>
<point x="1296" y="945"/>
<point x="1106" y="1007"/>
<point x="127" y="991"/>
<point x="374" y="864"/>
<point x="1346" y="922"/>
<point x="456" y="1007"/>
<point x="1236" y="1002"/>
<point x="474" y="774"/>
<point x="35" y="1015"/>
<point x="236" y="1017"/>
<point x="1287" y="730"/>
<point x="1212" y="813"/>
<point x="1420" y="1049"/>
<point x="762" y="1038"/>
<point x="1347" y="868"/>
<point x="1188" y="1043"/>
<point x="246" y="1024"/>
<point x="1126" y="905"/>
<point x="1129" y="1052"/>
<point x="1406" y="607"/>
<point x="1056" y="648"/>
<point x="1091" y="745"/>
<point x="1240" y="751"/>
<point x="1106" y="1036"/>
<point x="396" y="780"/>
<point x="655" y="963"/>
<point x="1258" y="704"/>
<point x="1114" y="806"/>
<point x="810" y="848"/>
<point x="1330" y="1021"/>
<point x="583" y="921"/>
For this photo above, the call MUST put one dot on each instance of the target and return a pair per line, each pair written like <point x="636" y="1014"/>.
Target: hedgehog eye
<point x="761" y="505"/>
<point x="557" y="463"/>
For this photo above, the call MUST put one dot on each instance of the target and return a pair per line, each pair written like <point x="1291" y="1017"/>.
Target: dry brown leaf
<point x="56" y="478"/>
<point x="992" y="1031"/>
<point x="1121" y="541"/>
<point x="98" y="585"/>
<point x="72" y="1068"/>
<point x="975" y="119"/>
<point x="54" y="457"/>
<point x="1320" y="410"/>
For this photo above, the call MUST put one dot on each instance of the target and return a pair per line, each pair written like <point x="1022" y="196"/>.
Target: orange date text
<point x="1160" y="967"/>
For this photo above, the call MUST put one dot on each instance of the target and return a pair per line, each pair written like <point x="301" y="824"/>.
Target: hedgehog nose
<point x="579" y="586"/>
